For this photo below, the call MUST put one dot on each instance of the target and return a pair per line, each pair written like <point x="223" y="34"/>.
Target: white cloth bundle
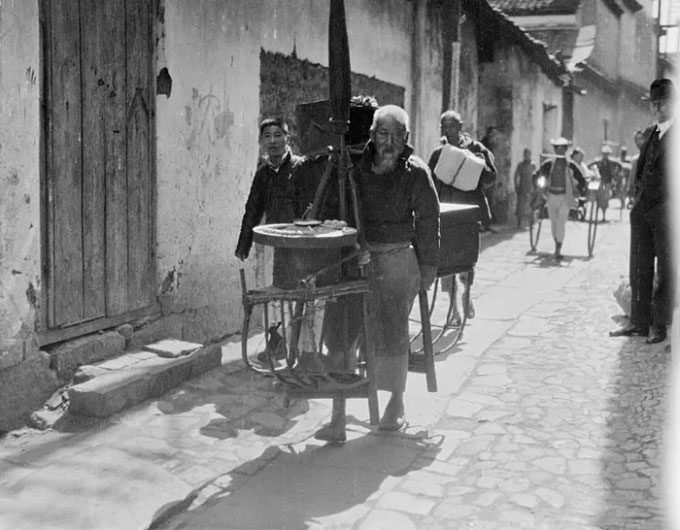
<point x="459" y="168"/>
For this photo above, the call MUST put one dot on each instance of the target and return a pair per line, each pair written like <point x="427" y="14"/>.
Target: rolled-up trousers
<point x="558" y="212"/>
<point x="394" y="277"/>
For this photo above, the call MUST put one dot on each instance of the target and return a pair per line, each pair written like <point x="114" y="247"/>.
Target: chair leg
<point x="373" y="406"/>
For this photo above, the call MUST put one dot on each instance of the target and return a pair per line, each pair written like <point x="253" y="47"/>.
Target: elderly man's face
<point x="560" y="149"/>
<point x="274" y="141"/>
<point x="450" y="127"/>
<point x="390" y="137"/>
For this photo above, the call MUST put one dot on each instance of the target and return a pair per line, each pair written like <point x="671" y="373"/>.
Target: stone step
<point x="133" y="377"/>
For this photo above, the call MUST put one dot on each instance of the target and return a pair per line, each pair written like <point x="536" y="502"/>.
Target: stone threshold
<point x="107" y="387"/>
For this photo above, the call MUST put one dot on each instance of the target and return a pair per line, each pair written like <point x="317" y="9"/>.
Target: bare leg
<point x="455" y="314"/>
<point x="393" y="418"/>
<point x="334" y="432"/>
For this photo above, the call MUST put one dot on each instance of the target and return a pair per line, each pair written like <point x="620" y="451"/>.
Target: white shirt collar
<point x="663" y="127"/>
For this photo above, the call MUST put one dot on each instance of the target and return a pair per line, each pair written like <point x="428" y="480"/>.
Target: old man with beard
<point x="400" y="215"/>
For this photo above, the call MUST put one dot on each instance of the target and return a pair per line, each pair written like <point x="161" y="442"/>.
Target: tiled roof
<point x="492" y="22"/>
<point x="515" y="8"/>
<point x="559" y="42"/>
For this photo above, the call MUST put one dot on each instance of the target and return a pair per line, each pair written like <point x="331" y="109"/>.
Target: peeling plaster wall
<point x="468" y="80"/>
<point x="19" y="177"/>
<point x="25" y="377"/>
<point x="638" y="48"/>
<point x="625" y="114"/>
<point x="207" y="137"/>
<point x="529" y="88"/>
<point x="605" y="54"/>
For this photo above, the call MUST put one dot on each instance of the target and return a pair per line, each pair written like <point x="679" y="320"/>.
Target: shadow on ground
<point x="631" y="466"/>
<point x="547" y="260"/>
<point x="304" y="485"/>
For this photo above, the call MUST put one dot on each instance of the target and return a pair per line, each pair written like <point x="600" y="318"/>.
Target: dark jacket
<point x="400" y="206"/>
<point x="487" y="178"/>
<point x="651" y="175"/>
<point x="581" y="184"/>
<point x="267" y="199"/>
<point x="449" y="193"/>
<point x="610" y="170"/>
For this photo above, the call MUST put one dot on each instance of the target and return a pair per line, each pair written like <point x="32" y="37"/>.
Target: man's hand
<point x="241" y="254"/>
<point x="428" y="273"/>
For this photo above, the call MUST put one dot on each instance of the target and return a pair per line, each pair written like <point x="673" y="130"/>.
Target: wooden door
<point x="98" y="177"/>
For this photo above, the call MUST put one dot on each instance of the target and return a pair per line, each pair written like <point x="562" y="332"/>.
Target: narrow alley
<point x="541" y="421"/>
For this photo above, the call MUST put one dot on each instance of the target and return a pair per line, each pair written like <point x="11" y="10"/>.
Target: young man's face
<point x="274" y="141"/>
<point x="577" y="157"/>
<point x="639" y="140"/>
<point x="450" y="127"/>
<point x="661" y="109"/>
<point x="527" y="155"/>
<point x="560" y="149"/>
<point x="390" y="137"/>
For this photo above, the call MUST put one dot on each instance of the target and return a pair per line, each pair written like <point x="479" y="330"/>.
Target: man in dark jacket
<point x="611" y="173"/>
<point x="400" y="223"/>
<point x="450" y="125"/>
<point x="650" y="226"/>
<point x="268" y="192"/>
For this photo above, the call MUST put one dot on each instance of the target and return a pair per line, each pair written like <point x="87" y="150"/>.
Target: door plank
<point x="94" y="109"/>
<point x="141" y="255"/>
<point x="65" y="174"/>
<point x="104" y="39"/>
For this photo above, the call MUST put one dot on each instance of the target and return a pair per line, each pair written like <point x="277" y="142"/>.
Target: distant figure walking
<point x="523" y="186"/>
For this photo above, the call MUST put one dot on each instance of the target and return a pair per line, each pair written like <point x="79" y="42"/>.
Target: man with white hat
<point x="560" y="174"/>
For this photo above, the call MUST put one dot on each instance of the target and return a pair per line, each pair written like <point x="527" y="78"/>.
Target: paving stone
<point x="583" y="467"/>
<point x="464" y="409"/>
<point x="386" y="520"/>
<point x="406" y="502"/>
<point x="423" y="487"/>
<point x="555" y="465"/>
<point x="514" y="485"/>
<point x="486" y="498"/>
<point x="633" y="483"/>
<point x="172" y="348"/>
<point x="451" y="511"/>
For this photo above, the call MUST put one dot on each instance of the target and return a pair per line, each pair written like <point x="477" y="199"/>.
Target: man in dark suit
<point x="650" y="226"/>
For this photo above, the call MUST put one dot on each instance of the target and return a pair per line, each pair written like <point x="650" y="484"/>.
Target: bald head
<point x="450" y="125"/>
<point x="390" y="113"/>
<point x="451" y="115"/>
<point x="389" y="134"/>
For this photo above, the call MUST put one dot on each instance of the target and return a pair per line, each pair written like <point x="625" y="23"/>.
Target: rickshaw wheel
<point x="459" y="310"/>
<point x="534" y="228"/>
<point x="592" y="227"/>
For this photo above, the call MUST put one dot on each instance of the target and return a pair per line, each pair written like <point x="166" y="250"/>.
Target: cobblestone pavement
<point x="541" y="421"/>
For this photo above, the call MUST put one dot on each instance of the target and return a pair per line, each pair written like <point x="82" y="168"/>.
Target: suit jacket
<point x="651" y="175"/>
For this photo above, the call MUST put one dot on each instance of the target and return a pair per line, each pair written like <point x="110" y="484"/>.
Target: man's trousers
<point x="650" y="248"/>
<point x="558" y="212"/>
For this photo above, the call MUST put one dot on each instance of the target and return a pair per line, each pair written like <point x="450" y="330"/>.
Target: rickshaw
<point x="586" y="210"/>
<point x="455" y="276"/>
